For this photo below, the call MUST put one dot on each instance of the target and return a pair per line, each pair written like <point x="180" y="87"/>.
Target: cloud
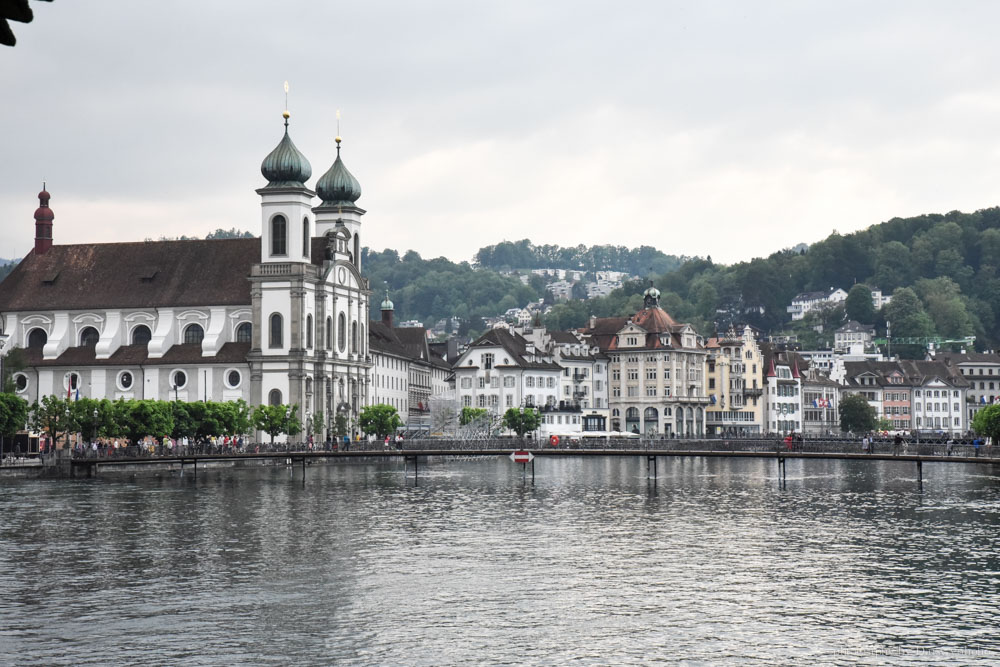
<point x="725" y="129"/>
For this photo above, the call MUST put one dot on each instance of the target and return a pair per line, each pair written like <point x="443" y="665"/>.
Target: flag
<point x="69" y="388"/>
<point x="816" y="403"/>
<point x="77" y="394"/>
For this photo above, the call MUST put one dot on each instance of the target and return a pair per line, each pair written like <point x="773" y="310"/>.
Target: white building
<point x="982" y="372"/>
<point x="657" y="368"/>
<point x="807" y="301"/>
<point x="782" y="392"/>
<point x="279" y="319"/>
<point x="502" y="370"/>
<point x="851" y="334"/>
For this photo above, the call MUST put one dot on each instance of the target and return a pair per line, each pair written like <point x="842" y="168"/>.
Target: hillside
<point x="942" y="269"/>
<point x="523" y="254"/>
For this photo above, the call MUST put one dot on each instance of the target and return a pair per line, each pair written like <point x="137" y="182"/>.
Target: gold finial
<point x="285" y="114"/>
<point x="337" y="138"/>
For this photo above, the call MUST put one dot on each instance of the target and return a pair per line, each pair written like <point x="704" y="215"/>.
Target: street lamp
<point x="94" y="438"/>
<point x="66" y="425"/>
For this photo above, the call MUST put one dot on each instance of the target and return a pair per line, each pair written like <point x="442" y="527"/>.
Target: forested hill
<point x="944" y="266"/>
<point x="524" y="254"/>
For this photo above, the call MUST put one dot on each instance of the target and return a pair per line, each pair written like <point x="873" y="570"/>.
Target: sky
<point x="730" y="129"/>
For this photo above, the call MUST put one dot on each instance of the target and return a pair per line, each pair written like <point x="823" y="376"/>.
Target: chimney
<point x="43" y="223"/>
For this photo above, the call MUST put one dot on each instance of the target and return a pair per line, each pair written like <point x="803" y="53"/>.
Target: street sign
<point x="521" y="457"/>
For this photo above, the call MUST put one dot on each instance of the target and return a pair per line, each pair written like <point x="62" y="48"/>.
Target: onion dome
<point x="43" y="213"/>
<point x="285" y="166"/>
<point x="651" y="297"/>
<point x="338" y="187"/>
<point x="387" y="305"/>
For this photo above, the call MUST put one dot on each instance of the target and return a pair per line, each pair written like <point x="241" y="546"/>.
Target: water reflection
<point x="714" y="560"/>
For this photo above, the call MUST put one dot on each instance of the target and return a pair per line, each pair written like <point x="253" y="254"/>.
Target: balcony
<point x="753" y="391"/>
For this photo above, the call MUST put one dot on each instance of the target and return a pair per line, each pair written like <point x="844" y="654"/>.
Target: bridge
<point x="650" y="449"/>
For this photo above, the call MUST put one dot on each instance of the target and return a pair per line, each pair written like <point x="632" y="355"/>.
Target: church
<point x="279" y="319"/>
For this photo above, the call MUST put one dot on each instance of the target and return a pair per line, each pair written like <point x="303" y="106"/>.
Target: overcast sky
<point x="729" y="129"/>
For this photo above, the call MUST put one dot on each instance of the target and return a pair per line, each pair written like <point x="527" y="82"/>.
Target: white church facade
<point x="280" y="319"/>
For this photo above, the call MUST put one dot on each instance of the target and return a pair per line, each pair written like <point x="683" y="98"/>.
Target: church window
<point x="279" y="235"/>
<point x="233" y="378"/>
<point x="21" y="382"/>
<point x="354" y="337"/>
<point x="179" y="379"/>
<point x="73" y="380"/>
<point x="244" y="333"/>
<point x="125" y="380"/>
<point x="89" y="337"/>
<point x="194" y="334"/>
<point x="329" y="332"/>
<point x="305" y="237"/>
<point x="37" y="338"/>
<point x="309" y="332"/>
<point x="141" y="335"/>
<point x="342" y="332"/>
<point x="274" y="398"/>
<point x="276" y="330"/>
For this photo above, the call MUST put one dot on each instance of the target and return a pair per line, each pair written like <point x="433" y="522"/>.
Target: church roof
<point x="133" y="275"/>
<point x="134" y="355"/>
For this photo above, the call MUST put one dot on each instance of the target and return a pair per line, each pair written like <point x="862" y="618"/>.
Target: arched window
<point x="357" y="251"/>
<point x="309" y="332"/>
<point x="329" y="332"/>
<point x="342" y="332"/>
<point x="194" y="334"/>
<point x="141" y="335"/>
<point x="276" y="330"/>
<point x="279" y="235"/>
<point x="89" y="337"/>
<point x="274" y="398"/>
<point x="650" y="415"/>
<point x="37" y="339"/>
<point x="305" y="237"/>
<point x="354" y="337"/>
<point x="244" y="333"/>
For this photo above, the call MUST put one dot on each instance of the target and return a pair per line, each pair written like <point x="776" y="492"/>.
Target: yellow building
<point x="735" y="385"/>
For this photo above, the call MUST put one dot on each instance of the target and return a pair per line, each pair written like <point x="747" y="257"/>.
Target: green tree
<point x="13" y="417"/>
<point x="340" y="424"/>
<point x="139" y="419"/>
<point x="856" y="414"/>
<point x="522" y="420"/>
<point x="858" y="305"/>
<point x="276" y="419"/>
<point x="379" y="420"/>
<point x="52" y="415"/>
<point x="987" y="423"/>
<point x="469" y="415"/>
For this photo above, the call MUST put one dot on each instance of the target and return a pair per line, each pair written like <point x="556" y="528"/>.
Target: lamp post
<point x="94" y="438"/>
<point x="66" y="426"/>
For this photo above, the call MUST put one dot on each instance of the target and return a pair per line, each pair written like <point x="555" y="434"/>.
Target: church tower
<point x="338" y="212"/>
<point x="43" y="223"/>
<point x="286" y="218"/>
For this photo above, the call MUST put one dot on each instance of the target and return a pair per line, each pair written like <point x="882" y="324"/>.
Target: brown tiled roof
<point x="133" y="275"/>
<point x="135" y="355"/>
<point x="382" y="338"/>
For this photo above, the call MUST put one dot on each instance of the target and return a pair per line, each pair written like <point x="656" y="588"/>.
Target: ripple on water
<point x="714" y="562"/>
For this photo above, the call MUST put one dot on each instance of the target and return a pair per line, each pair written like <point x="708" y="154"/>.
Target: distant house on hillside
<point x="807" y="301"/>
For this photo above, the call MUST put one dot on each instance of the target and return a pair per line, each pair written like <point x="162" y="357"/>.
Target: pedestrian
<point x="975" y="446"/>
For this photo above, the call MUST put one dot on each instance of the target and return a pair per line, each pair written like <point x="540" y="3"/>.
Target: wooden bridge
<point x="651" y="450"/>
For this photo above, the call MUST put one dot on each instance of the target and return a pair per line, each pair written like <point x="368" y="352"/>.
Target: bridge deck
<point x="409" y="452"/>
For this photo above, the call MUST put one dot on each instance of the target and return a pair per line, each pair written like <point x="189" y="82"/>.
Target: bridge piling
<point x="651" y="460"/>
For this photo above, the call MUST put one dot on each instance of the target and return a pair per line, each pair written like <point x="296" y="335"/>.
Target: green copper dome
<point x="285" y="166"/>
<point x="387" y="305"/>
<point x="338" y="187"/>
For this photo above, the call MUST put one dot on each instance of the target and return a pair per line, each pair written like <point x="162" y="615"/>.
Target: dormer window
<point x="488" y="361"/>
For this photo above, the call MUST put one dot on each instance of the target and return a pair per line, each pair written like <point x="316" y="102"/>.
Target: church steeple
<point x="43" y="223"/>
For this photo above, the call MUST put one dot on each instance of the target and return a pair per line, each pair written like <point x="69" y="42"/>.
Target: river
<point x="716" y="562"/>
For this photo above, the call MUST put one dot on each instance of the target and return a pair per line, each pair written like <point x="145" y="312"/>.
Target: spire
<point x="387" y="310"/>
<point x="43" y="223"/>
<point x="338" y="187"/>
<point x="285" y="166"/>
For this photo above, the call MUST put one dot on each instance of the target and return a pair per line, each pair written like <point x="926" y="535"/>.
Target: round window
<point x="125" y="380"/>
<point x="21" y="381"/>
<point x="234" y="378"/>
<point x="179" y="379"/>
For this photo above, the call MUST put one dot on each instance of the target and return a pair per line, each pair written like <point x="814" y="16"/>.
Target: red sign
<point x="522" y="457"/>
